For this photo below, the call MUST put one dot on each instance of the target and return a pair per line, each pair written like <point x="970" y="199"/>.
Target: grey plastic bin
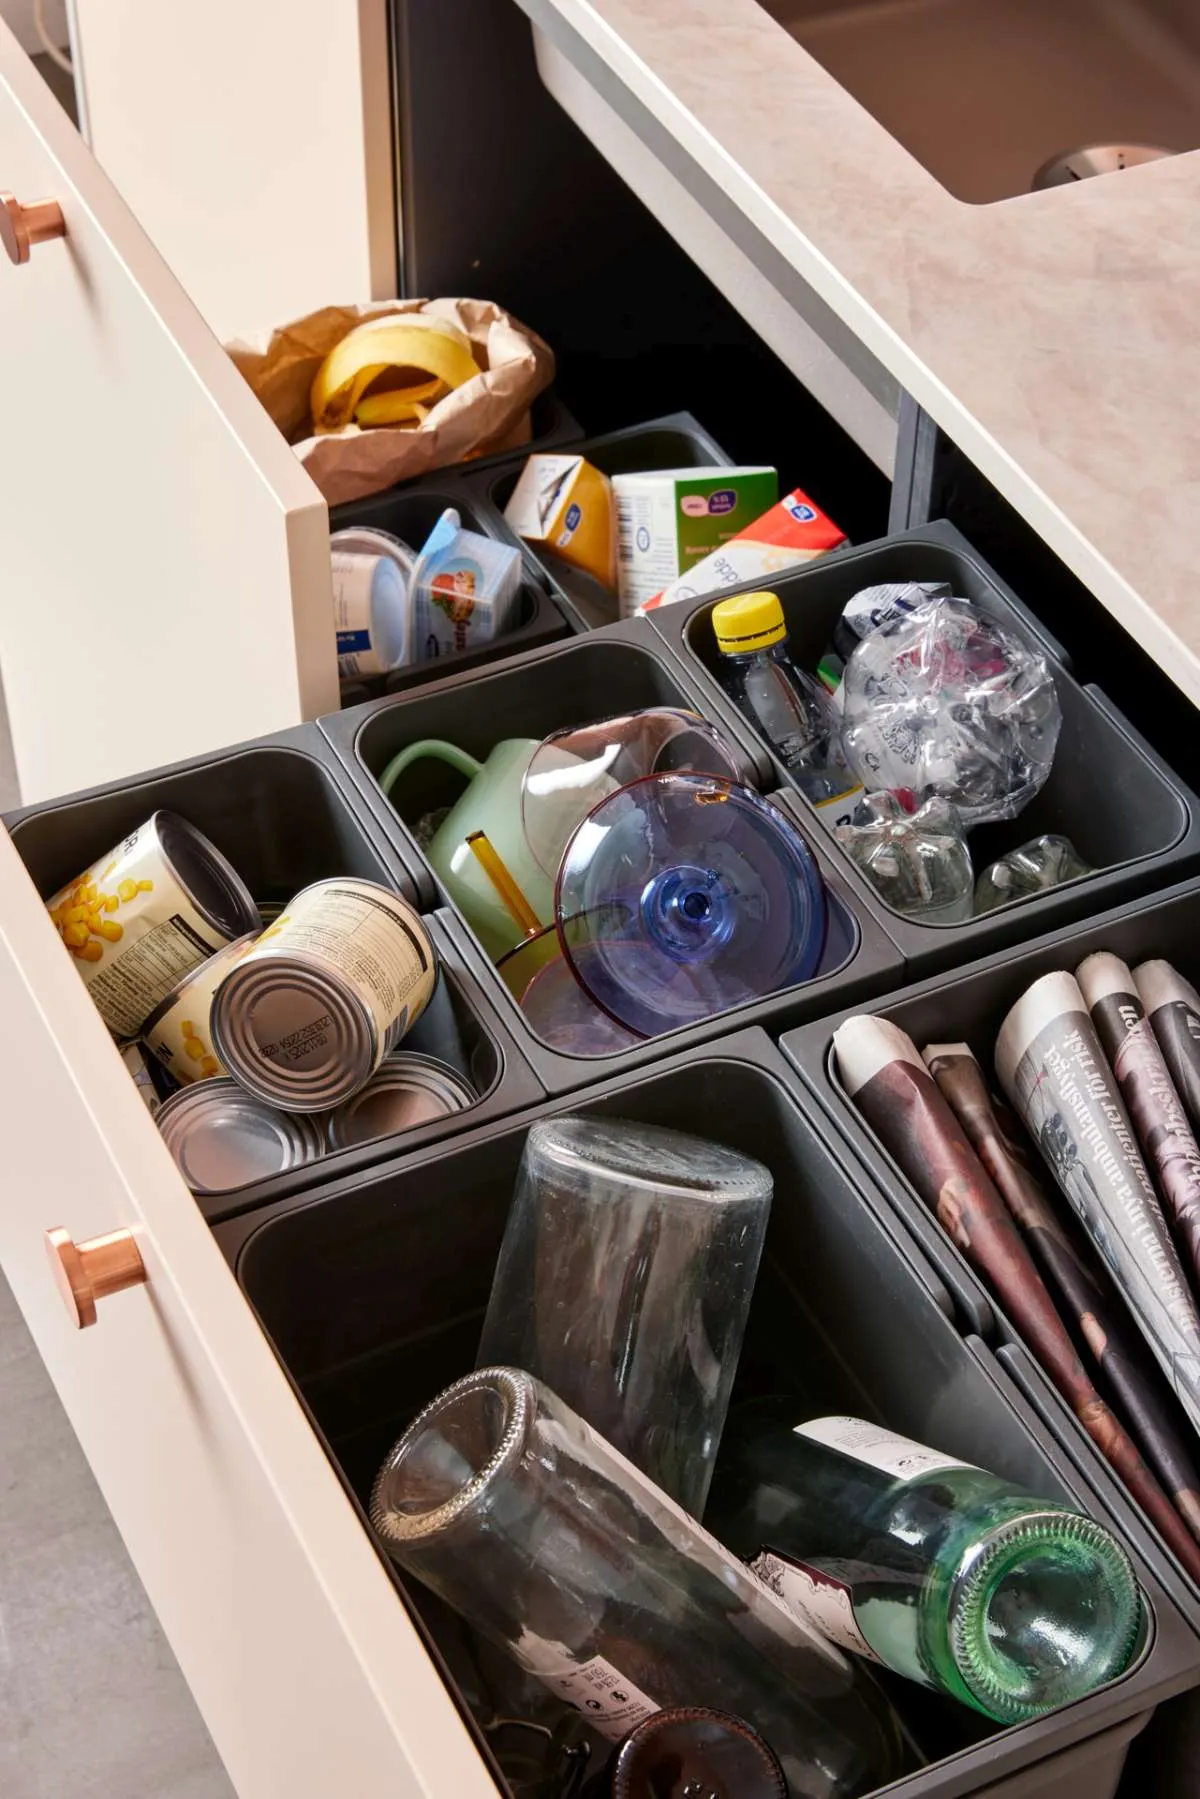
<point x="1126" y="812"/>
<point x="969" y="1007"/>
<point x="372" y="1293"/>
<point x="410" y="513"/>
<point x="281" y="811"/>
<point x="618" y="669"/>
<point x="677" y="440"/>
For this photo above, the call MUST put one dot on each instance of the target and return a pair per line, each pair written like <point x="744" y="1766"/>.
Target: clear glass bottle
<point x="692" y="1753"/>
<point x="790" y="708"/>
<point x="940" y="1571"/>
<point x="549" y="1542"/>
<point x="624" y="1283"/>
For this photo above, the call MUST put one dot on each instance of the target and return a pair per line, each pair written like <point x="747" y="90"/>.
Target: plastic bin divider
<point x="410" y="513"/>
<point x="282" y="808"/>
<point x="460" y="1027"/>
<point x="828" y="1248"/>
<point x="1126" y="811"/>
<point x="968" y="1006"/>
<point x="676" y="440"/>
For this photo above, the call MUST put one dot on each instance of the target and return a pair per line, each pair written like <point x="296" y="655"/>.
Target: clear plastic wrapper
<point x="918" y="862"/>
<point x="947" y="701"/>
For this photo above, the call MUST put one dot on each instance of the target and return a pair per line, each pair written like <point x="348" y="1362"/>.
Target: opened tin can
<point x="178" y="1031"/>
<point x="144" y="915"/>
<point x="405" y="1091"/>
<point x="307" y="1015"/>
<point x="223" y="1138"/>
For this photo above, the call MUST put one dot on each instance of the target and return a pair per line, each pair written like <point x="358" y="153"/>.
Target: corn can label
<point x="133" y="930"/>
<point x="372" y="940"/>
<point x="180" y="1036"/>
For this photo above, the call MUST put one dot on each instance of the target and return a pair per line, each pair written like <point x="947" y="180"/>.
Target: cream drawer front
<point x="308" y="1672"/>
<point x="165" y="582"/>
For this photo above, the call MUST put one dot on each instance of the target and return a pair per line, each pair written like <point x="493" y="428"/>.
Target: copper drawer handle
<point x="86" y="1272"/>
<point x="23" y="226"/>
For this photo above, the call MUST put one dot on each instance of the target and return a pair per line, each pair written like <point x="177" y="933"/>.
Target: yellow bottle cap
<point x="753" y="621"/>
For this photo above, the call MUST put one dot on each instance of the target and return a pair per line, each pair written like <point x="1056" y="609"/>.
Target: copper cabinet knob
<point x="23" y="226"/>
<point x="86" y="1272"/>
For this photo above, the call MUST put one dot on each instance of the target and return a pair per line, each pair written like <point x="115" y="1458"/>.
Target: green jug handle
<point x="429" y="746"/>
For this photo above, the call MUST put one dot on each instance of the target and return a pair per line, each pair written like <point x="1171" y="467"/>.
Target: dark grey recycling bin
<point x="410" y="513"/>
<point x="1129" y="816"/>
<point x="284" y="814"/>
<point x="616" y="670"/>
<point x="969" y="1006"/>
<point x="677" y="440"/>
<point x="372" y="1292"/>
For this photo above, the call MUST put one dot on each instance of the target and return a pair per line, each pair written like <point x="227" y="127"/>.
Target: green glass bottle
<point x="939" y="1570"/>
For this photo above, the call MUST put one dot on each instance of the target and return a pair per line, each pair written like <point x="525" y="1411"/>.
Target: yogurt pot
<point x="465" y="588"/>
<point x="306" y="1016"/>
<point x="157" y="906"/>
<point x="223" y="1138"/>
<point x="178" y="1031"/>
<point x="372" y="602"/>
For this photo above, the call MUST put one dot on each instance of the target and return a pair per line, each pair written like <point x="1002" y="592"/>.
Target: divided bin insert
<point x="1123" y="809"/>
<point x="282" y="819"/>
<point x="373" y="1296"/>
<point x="617" y="670"/>
<point x="675" y="441"/>
<point x="410" y="513"/>
<point x="970" y="1007"/>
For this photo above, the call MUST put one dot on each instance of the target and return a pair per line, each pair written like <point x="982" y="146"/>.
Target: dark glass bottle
<point x="692" y="1753"/>
<point x="941" y="1571"/>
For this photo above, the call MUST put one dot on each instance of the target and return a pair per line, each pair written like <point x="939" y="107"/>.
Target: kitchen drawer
<point x="151" y="514"/>
<point x="311" y="1679"/>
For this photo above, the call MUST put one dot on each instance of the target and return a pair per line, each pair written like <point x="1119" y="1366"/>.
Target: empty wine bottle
<point x="691" y="1753"/>
<point x="937" y="1569"/>
<point x="546" y="1540"/>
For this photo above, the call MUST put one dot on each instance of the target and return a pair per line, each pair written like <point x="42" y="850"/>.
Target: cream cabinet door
<point x="164" y="569"/>
<point x="253" y="139"/>
<point x="302" y="1659"/>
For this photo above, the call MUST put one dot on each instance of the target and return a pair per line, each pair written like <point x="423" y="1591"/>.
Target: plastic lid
<point x="682" y="895"/>
<point x="752" y="621"/>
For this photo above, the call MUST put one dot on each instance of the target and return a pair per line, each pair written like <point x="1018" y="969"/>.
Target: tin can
<point x="223" y="1138"/>
<point x="178" y="1031"/>
<point x="139" y="1074"/>
<point x="144" y="915"/>
<point x="405" y="1091"/>
<point x="308" y="1014"/>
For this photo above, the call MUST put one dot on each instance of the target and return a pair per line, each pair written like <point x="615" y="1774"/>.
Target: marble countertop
<point x="1055" y="336"/>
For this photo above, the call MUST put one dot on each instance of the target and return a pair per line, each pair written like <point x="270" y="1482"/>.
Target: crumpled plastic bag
<point x="944" y="700"/>
<point x="486" y="414"/>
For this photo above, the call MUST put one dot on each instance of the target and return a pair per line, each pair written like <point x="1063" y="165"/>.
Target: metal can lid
<point x="407" y="1090"/>
<point x="222" y="1137"/>
<point x="291" y="1006"/>
<point x="226" y="955"/>
<point x="214" y="886"/>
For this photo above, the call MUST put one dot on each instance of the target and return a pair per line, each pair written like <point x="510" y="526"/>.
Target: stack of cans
<point x="283" y="1040"/>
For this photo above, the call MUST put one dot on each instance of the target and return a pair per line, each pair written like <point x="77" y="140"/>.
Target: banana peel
<point x="394" y="408"/>
<point x="439" y="350"/>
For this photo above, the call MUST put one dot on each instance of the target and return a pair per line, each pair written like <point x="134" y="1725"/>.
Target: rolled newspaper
<point x="889" y="1083"/>
<point x="1155" y="1108"/>
<point x="1173" y="1008"/>
<point x="1082" y="1289"/>
<point x="1052" y="1068"/>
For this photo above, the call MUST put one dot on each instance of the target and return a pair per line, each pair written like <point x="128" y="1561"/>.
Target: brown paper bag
<point x="488" y="413"/>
